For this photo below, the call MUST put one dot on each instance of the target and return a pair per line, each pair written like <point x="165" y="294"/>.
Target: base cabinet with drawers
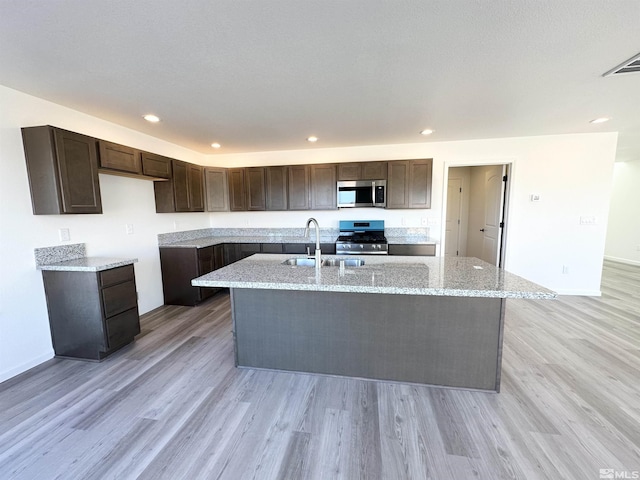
<point x="91" y="314"/>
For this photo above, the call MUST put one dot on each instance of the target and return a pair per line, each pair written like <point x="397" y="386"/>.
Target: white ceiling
<point x="259" y="75"/>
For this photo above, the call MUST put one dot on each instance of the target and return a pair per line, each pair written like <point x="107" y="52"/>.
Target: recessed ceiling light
<point x="312" y="139"/>
<point x="151" y="118"/>
<point x="216" y="145"/>
<point x="427" y="131"/>
<point x="600" y="120"/>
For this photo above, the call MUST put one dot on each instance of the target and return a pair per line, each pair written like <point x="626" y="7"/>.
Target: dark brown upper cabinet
<point x="362" y="171"/>
<point x="155" y="166"/>
<point x="409" y="183"/>
<point x="237" y="197"/>
<point x="276" y="188"/>
<point x="323" y="187"/>
<point x="255" y="185"/>
<point x="63" y="171"/>
<point x="184" y="192"/>
<point x="216" y="189"/>
<point x="119" y="158"/>
<point x="299" y="188"/>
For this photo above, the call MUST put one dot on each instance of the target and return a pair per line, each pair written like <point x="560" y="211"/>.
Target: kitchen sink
<point x="300" y="262"/>
<point x="348" y="262"/>
<point x="327" y="262"/>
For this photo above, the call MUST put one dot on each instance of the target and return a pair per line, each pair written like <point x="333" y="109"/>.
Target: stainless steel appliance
<point x="362" y="193"/>
<point x="361" y="237"/>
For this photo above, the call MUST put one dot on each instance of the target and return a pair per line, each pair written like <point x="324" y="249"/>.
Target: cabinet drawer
<point x="118" y="298"/>
<point x="116" y="275"/>
<point x="122" y="328"/>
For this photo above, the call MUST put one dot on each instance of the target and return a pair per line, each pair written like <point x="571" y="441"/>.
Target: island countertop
<point x="438" y="276"/>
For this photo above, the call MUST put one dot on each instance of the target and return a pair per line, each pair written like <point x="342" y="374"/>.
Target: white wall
<point x="571" y="172"/>
<point x="623" y="234"/>
<point x="24" y="329"/>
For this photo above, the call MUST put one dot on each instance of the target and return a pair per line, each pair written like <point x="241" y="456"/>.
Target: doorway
<point x="476" y="208"/>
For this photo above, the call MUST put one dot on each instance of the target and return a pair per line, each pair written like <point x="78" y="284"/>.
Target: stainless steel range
<point x="361" y="237"/>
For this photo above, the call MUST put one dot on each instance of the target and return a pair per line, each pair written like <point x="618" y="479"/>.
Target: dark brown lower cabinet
<point x="298" y="248"/>
<point x="181" y="265"/>
<point x="412" y="250"/>
<point x="91" y="314"/>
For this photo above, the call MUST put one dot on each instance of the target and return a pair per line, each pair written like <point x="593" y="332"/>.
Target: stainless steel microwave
<point x="362" y="193"/>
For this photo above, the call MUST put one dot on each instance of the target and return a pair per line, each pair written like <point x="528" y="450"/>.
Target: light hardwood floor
<point x="173" y="406"/>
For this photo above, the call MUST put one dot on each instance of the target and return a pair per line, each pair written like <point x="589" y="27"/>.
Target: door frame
<point x="510" y="164"/>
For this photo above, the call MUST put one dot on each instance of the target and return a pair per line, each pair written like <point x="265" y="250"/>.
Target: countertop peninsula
<point x="428" y="276"/>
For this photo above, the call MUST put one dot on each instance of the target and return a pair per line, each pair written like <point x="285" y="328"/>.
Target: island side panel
<point x="448" y="341"/>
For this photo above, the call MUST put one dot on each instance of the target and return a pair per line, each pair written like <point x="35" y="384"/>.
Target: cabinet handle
<point x="482" y="229"/>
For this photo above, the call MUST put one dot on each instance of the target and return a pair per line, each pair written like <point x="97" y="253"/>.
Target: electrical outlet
<point x="64" y="234"/>
<point x="175" y="225"/>
<point x="129" y="228"/>
<point x="587" y="220"/>
<point x="565" y="269"/>
<point x="403" y="221"/>
<point x="534" y="197"/>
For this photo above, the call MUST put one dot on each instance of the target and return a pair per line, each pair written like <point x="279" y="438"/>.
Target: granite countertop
<point x="440" y="276"/>
<point x="88" y="264"/>
<point x="216" y="240"/>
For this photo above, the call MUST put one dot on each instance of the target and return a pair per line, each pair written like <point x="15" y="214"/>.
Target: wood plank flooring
<point x="172" y="406"/>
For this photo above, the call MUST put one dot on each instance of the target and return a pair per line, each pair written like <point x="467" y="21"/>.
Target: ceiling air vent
<point x="630" y="66"/>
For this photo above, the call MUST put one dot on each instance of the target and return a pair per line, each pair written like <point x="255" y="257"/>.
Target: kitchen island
<point x="429" y="320"/>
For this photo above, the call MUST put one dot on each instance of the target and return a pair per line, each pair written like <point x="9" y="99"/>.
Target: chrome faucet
<point x="306" y="234"/>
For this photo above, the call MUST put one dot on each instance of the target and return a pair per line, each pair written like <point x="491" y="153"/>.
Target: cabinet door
<point x="276" y="188"/>
<point x="349" y="171"/>
<point x="398" y="184"/>
<point x="420" y="183"/>
<point x="299" y="186"/>
<point x="194" y="186"/>
<point x="155" y="165"/>
<point x="323" y="187"/>
<point x="181" y="186"/>
<point x="237" y="198"/>
<point x="218" y="256"/>
<point x="216" y="189"/>
<point x="254" y="184"/>
<point x="205" y="260"/>
<point x="374" y="171"/>
<point x="119" y="157"/>
<point x="78" y="167"/>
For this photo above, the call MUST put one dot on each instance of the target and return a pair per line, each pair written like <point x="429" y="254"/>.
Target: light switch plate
<point x="64" y="234"/>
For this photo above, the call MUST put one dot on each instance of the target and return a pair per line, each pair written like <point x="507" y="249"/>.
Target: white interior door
<point x="454" y="204"/>
<point x="494" y="193"/>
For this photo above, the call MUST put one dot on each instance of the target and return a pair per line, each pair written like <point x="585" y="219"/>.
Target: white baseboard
<point x="7" y="374"/>
<point x="622" y="260"/>
<point x="581" y="293"/>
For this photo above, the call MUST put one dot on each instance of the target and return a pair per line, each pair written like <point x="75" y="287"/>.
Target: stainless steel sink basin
<point x="327" y="262"/>
<point x="300" y="262"/>
<point x="348" y="262"/>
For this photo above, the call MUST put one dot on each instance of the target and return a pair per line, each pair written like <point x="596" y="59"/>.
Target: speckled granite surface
<point x="73" y="258"/>
<point x="214" y="236"/>
<point x="456" y="277"/>
<point x="59" y="253"/>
